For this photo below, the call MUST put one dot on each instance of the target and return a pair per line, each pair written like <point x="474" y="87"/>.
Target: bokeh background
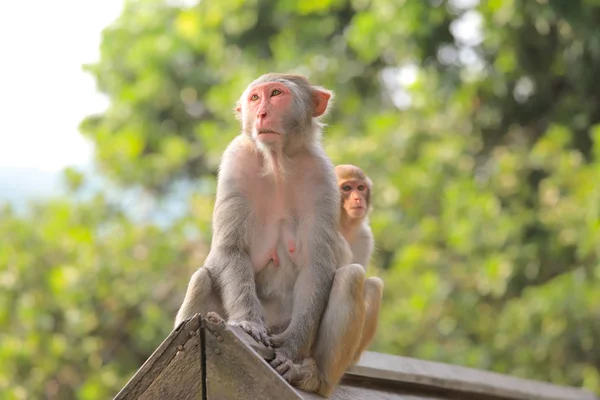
<point x="478" y="122"/>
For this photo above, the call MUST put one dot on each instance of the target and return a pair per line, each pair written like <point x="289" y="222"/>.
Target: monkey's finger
<point x="265" y="339"/>
<point x="256" y="335"/>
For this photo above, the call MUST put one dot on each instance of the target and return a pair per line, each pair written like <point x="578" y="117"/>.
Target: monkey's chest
<point x="275" y="244"/>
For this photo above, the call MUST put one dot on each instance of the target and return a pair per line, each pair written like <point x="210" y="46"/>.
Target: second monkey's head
<point x="282" y="110"/>
<point x="355" y="188"/>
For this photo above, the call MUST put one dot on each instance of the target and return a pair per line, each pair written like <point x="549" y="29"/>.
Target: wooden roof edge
<point x="373" y="370"/>
<point x="399" y="370"/>
<point x="160" y="358"/>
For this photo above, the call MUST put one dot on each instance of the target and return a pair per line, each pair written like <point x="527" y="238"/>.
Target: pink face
<point x="267" y="105"/>
<point x="355" y="197"/>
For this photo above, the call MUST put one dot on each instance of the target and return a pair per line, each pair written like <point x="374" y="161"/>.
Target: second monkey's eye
<point x="275" y="92"/>
<point x="254" y="97"/>
<point x="346" y="188"/>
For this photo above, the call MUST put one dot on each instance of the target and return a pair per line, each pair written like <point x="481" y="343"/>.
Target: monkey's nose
<point x="261" y="114"/>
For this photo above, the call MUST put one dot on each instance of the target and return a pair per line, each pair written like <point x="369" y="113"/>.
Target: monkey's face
<point x="267" y="112"/>
<point x="355" y="198"/>
<point x="277" y="110"/>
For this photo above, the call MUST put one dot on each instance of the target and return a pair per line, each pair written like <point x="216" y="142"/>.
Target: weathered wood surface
<point x="182" y="378"/>
<point x="209" y="360"/>
<point x="353" y="392"/>
<point x="452" y="378"/>
<point x="158" y="362"/>
<point x="236" y="371"/>
<point x="395" y="377"/>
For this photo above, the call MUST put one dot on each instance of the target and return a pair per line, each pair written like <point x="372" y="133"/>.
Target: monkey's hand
<point x="257" y="330"/>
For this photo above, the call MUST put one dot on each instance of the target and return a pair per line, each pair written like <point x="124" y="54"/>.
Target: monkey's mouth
<point x="267" y="136"/>
<point x="267" y="132"/>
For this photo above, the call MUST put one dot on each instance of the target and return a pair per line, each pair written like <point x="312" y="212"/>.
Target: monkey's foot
<point x="305" y="376"/>
<point x="258" y="331"/>
<point x="281" y="362"/>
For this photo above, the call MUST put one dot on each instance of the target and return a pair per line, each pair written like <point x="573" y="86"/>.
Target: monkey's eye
<point x="254" y="97"/>
<point x="346" y="188"/>
<point x="275" y="92"/>
<point x="361" y="188"/>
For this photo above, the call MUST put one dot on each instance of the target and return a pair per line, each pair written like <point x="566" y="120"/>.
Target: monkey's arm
<point x="229" y="260"/>
<point x="231" y="268"/>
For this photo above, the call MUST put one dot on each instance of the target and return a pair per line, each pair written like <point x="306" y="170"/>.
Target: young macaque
<point x="277" y="266"/>
<point x="355" y="188"/>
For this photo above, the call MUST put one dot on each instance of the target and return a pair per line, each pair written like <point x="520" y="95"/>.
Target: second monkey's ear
<point x="321" y="98"/>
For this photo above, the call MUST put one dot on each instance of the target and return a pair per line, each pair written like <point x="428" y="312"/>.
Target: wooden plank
<point x="451" y="378"/>
<point x="161" y="357"/>
<point x="354" y="392"/>
<point x="182" y="378"/>
<point x="235" y="371"/>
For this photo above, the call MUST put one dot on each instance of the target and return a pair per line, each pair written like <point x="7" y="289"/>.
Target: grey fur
<point x="314" y="221"/>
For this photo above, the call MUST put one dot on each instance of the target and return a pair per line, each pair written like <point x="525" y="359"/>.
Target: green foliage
<point x="484" y="152"/>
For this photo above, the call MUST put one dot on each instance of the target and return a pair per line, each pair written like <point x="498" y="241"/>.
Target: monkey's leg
<point x="200" y="297"/>
<point x="341" y="327"/>
<point x="338" y="336"/>
<point x="372" y="295"/>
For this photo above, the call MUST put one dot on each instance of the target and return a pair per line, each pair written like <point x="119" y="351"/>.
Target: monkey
<point x="278" y="266"/>
<point x="355" y="190"/>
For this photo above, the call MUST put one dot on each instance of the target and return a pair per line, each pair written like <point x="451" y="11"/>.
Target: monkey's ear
<point x="370" y="187"/>
<point x="238" y="110"/>
<point x="320" y="99"/>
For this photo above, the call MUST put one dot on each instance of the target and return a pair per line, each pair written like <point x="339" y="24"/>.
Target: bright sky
<point x="44" y="94"/>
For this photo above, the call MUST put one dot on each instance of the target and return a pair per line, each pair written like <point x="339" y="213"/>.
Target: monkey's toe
<point x="279" y="360"/>
<point x="265" y="339"/>
<point x="285" y="370"/>
<point x="276" y="362"/>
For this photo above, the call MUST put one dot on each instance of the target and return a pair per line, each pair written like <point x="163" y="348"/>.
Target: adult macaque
<point x="355" y="188"/>
<point x="277" y="266"/>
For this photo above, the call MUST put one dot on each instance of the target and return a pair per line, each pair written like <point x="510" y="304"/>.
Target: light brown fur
<point x="355" y="189"/>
